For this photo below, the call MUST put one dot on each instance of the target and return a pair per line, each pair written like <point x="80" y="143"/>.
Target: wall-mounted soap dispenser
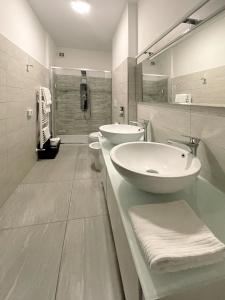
<point x="121" y="111"/>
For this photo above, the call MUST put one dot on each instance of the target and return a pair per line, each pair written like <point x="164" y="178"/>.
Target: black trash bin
<point x="48" y="151"/>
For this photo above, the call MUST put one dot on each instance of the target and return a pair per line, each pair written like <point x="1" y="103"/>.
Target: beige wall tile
<point x="3" y="110"/>
<point x="17" y="133"/>
<point x="123" y="91"/>
<point x="212" y="91"/>
<point x="69" y="117"/>
<point x="168" y="121"/>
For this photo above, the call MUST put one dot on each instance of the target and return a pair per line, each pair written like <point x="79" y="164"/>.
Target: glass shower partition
<point x="71" y="119"/>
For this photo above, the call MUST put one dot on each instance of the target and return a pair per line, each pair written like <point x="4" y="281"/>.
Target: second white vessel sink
<point x="121" y="133"/>
<point x="155" y="167"/>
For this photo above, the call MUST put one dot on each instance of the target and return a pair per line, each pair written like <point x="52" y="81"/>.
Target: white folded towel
<point x="173" y="237"/>
<point x="46" y="100"/>
<point x="47" y="95"/>
<point x="46" y="108"/>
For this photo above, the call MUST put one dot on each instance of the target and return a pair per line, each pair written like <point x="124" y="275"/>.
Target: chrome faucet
<point x="144" y="125"/>
<point x="193" y="143"/>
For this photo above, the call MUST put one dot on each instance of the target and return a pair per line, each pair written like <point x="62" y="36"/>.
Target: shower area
<point x="82" y="101"/>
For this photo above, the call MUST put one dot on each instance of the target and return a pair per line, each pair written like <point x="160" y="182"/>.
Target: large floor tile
<point x="51" y="171"/>
<point x="83" y="170"/>
<point x="67" y="151"/>
<point x="29" y="262"/>
<point x="89" y="269"/>
<point x="83" y="152"/>
<point x="36" y="204"/>
<point x="87" y="199"/>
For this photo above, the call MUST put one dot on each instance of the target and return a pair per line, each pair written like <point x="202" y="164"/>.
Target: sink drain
<point x="152" y="171"/>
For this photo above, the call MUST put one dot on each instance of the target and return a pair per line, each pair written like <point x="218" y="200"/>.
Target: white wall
<point x="120" y="41"/>
<point x="77" y="58"/>
<point x="50" y="50"/>
<point x="203" y="50"/>
<point x="156" y="16"/>
<point x="19" y="24"/>
<point x="162" y="66"/>
<point x="132" y="30"/>
<point x="124" y="42"/>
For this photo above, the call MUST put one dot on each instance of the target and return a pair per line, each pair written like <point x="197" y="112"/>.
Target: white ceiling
<point x="69" y="29"/>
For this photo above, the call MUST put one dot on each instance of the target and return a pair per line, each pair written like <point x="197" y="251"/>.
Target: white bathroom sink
<point x="155" y="167"/>
<point x="121" y="133"/>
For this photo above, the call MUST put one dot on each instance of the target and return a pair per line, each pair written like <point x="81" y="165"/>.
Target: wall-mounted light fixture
<point x="81" y="6"/>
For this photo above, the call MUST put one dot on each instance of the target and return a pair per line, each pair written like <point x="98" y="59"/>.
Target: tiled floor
<point x="55" y="237"/>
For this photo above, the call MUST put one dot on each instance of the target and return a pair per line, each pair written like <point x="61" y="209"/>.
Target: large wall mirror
<point x="191" y="69"/>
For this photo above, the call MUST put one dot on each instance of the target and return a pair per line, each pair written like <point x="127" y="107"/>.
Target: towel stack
<point x="173" y="237"/>
<point x="47" y="99"/>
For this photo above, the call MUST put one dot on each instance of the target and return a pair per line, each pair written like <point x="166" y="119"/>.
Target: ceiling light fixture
<point x="81" y="6"/>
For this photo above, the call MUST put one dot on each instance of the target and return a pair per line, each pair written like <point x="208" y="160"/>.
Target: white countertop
<point x="205" y="200"/>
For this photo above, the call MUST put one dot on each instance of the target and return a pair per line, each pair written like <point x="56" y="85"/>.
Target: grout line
<point x="63" y="244"/>
<point x="60" y="262"/>
<point x="45" y="182"/>
<point x="88" y="217"/>
<point x="67" y="219"/>
<point x="33" y="225"/>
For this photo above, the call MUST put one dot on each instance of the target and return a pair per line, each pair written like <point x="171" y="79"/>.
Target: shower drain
<point x="152" y="171"/>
